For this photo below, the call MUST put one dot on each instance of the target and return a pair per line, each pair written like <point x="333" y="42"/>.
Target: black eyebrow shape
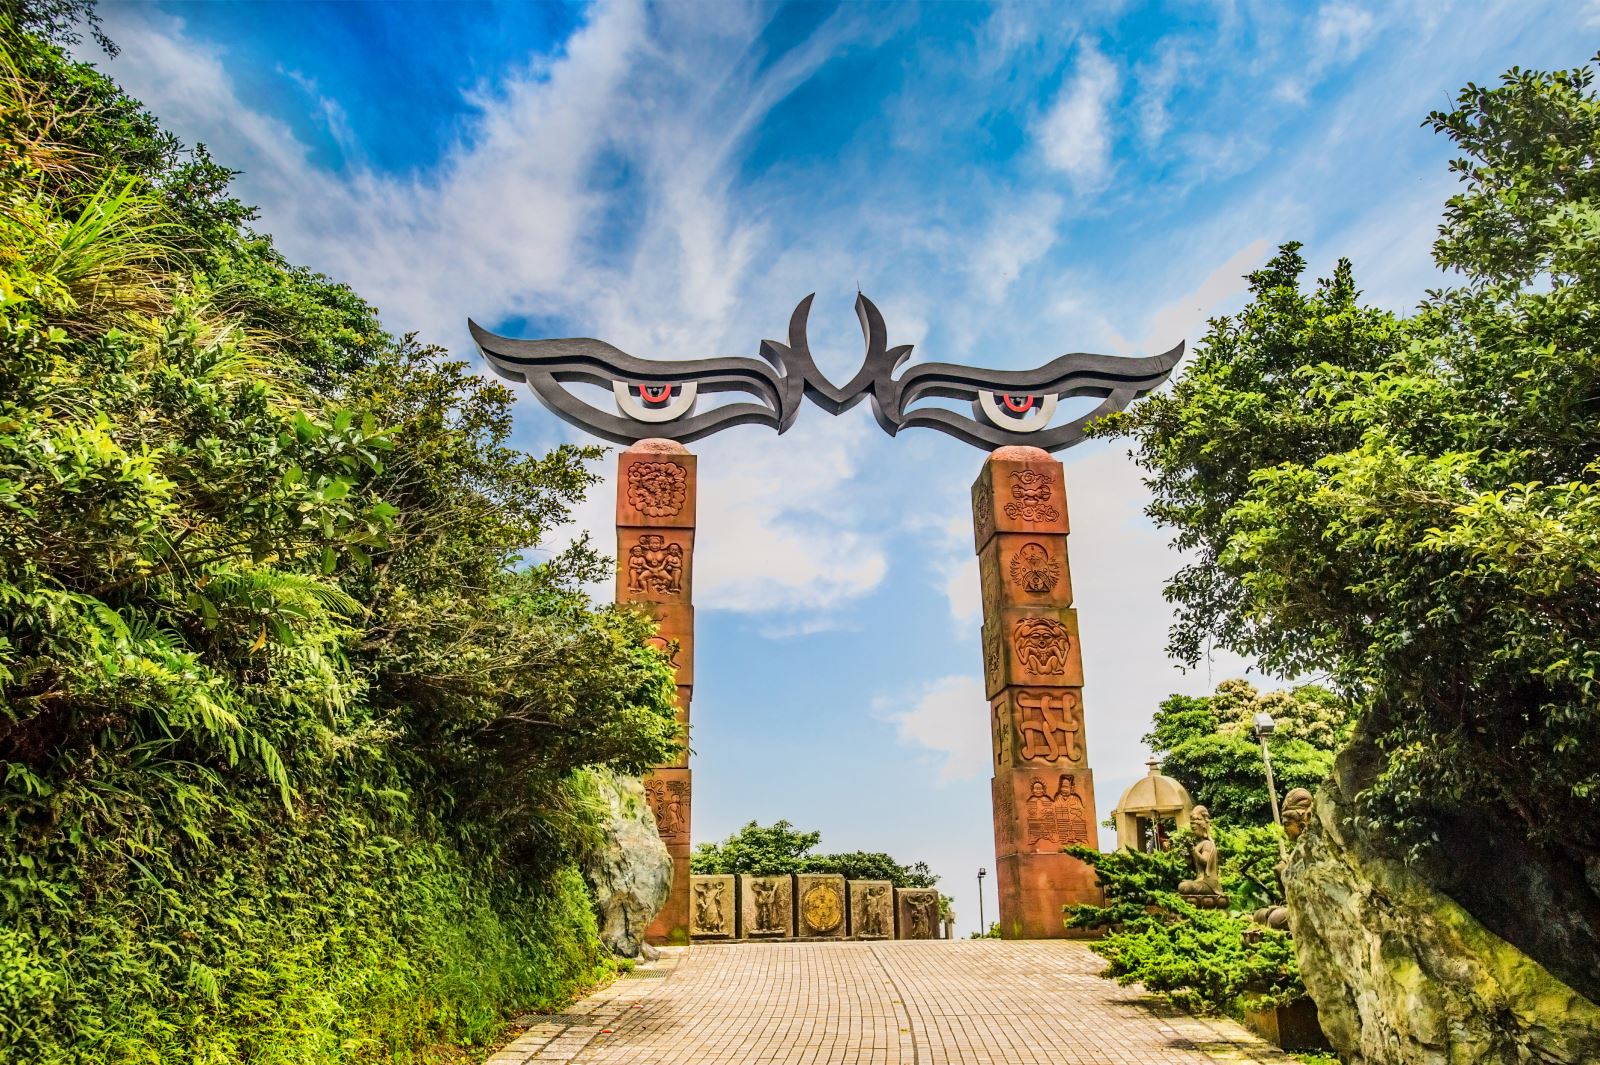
<point x="786" y="374"/>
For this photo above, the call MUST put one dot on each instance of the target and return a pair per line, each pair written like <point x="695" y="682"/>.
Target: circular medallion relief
<point x="821" y="908"/>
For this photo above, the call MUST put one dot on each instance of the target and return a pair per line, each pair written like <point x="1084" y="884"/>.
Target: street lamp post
<point x="983" y="929"/>
<point x="1264" y="728"/>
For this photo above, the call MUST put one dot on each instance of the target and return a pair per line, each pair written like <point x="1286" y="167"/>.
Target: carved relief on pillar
<point x="820" y="908"/>
<point x="674" y="636"/>
<point x="766" y="906"/>
<point x="917" y="913"/>
<point x="1005" y="814"/>
<point x="1018" y="495"/>
<point x="656" y="488"/>
<point x="1035" y="647"/>
<point x="1043" y="726"/>
<point x="871" y="909"/>
<point x="668" y="792"/>
<point x="1025" y="571"/>
<point x="711" y="907"/>
<point x="654" y="565"/>
<point x="1001" y="727"/>
<point x="1050" y="810"/>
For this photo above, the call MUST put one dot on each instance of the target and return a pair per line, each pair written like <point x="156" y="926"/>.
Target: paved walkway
<point x="974" y="1002"/>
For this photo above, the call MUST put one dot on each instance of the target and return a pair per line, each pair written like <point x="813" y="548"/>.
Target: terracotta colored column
<point x="1043" y="789"/>
<point x="655" y="568"/>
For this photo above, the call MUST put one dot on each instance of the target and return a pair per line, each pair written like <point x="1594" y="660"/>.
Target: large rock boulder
<point x="630" y="873"/>
<point x="1414" y="962"/>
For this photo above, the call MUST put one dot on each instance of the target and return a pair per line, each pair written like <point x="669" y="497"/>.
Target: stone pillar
<point x="655" y="569"/>
<point x="1043" y="789"/>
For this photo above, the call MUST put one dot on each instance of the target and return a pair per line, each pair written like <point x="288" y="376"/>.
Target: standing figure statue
<point x="921" y="922"/>
<point x="708" y="902"/>
<point x="1205" y="890"/>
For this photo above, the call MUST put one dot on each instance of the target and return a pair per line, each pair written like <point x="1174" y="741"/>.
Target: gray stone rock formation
<point x="630" y="874"/>
<point x="1404" y="974"/>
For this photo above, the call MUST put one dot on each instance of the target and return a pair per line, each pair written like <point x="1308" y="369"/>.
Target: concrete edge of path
<point x="560" y="1037"/>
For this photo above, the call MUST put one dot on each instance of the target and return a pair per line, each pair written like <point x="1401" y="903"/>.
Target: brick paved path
<point x="974" y="1002"/>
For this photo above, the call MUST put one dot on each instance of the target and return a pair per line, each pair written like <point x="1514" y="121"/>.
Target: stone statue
<point x="1205" y="890"/>
<point x="1296" y="812"/>
<point x="921" y="925"/>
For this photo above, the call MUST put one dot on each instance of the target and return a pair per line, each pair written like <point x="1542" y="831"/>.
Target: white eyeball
<point x="1018" y="413"/>
<point x="654" y="403"/>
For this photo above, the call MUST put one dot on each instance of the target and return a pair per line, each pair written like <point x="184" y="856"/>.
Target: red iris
<point x="1019" y="404"/>
<point x="658" y="394"/>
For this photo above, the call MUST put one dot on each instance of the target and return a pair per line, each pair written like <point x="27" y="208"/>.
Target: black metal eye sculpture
<point x="658" y="398"/>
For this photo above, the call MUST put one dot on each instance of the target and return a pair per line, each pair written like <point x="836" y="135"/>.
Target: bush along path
<point x="295" y="750"/>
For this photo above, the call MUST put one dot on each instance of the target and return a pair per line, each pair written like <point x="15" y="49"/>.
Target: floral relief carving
<point x="658" y="489"/>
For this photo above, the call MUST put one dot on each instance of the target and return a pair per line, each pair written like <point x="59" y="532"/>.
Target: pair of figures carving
<point x="1054" y="821"/>
<point x="767" y="917"/>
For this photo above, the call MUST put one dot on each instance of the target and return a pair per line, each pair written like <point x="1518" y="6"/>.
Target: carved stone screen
<point x="820" y="905"/>
<point x="916" y="913"/>
<point x="871" y="909"/>
<point x="711" y="913"/>
<point x="1043" y="789"/>
<point x="766" y="907"/>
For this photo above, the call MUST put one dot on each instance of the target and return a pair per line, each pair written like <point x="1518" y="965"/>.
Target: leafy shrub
<point x="778" y="849"/>
<point x="293" y="745"/>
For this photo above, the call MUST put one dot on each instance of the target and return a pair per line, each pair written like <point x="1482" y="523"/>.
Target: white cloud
<point x="949" y="716"/>
<point x="1018" y="236"/>
<point x="1075" y="134"/>
<point x="1342" y="32"/>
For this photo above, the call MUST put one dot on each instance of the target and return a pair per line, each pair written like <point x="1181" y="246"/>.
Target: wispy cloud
<point x="1075" y="133"/>
<point x="949" y="717"/>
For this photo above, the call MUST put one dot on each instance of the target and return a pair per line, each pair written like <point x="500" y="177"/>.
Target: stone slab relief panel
<point x="655" y="565"/>
<point x="766" y="907"/>
<point x="871" y="909"/>
<point x="820" y="905"/>
<point x="712" y="914"/>
<point x="916" y="913"/>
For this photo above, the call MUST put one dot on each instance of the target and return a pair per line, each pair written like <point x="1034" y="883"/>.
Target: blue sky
<point x="1007" y="181"/>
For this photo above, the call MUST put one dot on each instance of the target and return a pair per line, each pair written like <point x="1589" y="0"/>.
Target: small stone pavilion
<point x="1147" y="808"/>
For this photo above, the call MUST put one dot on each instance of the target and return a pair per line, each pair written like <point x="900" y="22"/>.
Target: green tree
<point x="1411" y="505"/>
<point x="1208" y="744"/>
<point x="294" y="746"/>
<point x="778" y="849"/>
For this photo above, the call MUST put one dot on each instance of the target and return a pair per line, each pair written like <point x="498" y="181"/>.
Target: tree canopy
<point x="1207" y="743"/>
<point x="779" y="848"/>
<point x="1410" y="504"/>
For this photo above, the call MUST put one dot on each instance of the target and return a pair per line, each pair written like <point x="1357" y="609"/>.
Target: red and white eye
<point x="1023" y="413"/>
<point x="654" y="403"/>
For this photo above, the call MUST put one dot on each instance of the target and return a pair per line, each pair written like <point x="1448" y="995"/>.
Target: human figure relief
<point x="767" y="906"/>
<point x="1042" y="644"/>
<point x="655" y="566"/>
<point x="872" y="915"/>
<point x="921" y="920"/>
<point x="709" y="910"/>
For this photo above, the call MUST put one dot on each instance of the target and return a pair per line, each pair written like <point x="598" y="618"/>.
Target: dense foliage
<point x="1206" y="961"/>
<point x="1207" y="743"/>
<point x="1411" y="505"/>
<point x="778" y="849"/>
<point x="293" y="752"/>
